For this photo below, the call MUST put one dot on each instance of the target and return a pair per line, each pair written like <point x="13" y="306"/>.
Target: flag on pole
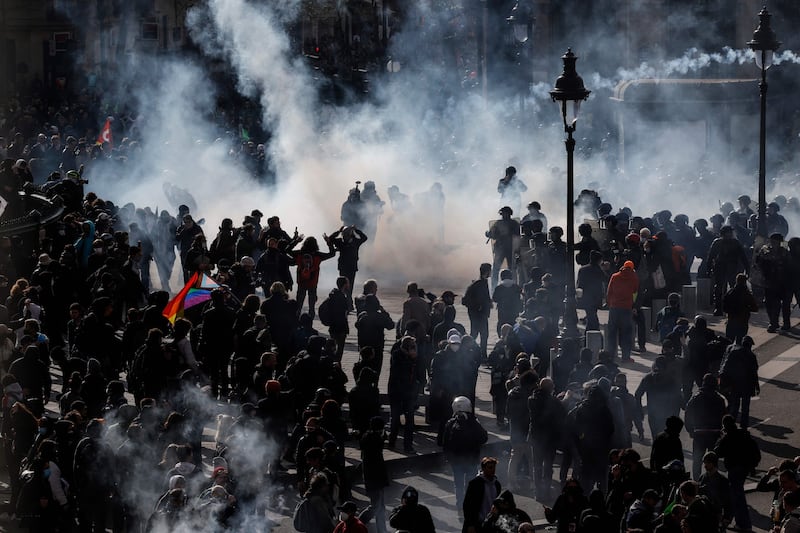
<point x="244" y="134"/>
<point x="196" y="291"/>
<point x="105" y="134"/>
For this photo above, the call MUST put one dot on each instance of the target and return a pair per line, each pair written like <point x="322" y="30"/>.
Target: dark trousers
<point x="340" y="339"/>
<point x="463" y="471"/>
<point x="778" y="304"/>
<point x="312" y="299"/>
<point x="378" y="508"/>
<point x="402" y="406"/>
<point x="703" y="441"/>
<point x="544" y="455"/>
<point x="620" y="331"/>
<point x="735" y="330"/>
<point x="217" y="369"/>
<point x="641" y="329"/>
<point x="592" y="322"/>
<point x="351" y="277"/>
<point x="740" y="401"/>
<point x="741" y="512"/>
<point x="479" y="326"/>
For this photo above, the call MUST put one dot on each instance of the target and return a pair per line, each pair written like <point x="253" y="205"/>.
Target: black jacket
<point x="339" y="307"/>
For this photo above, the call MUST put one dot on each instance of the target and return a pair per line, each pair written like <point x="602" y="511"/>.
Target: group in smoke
<point x="125" y="448"/>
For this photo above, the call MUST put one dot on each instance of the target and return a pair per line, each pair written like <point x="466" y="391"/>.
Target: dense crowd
<point x="135" y="389"/>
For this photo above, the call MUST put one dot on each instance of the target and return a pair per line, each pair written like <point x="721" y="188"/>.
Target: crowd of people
<point x="83" y="327"/>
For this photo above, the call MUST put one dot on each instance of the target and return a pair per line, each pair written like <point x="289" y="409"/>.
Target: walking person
<point x="622" y="290"/>
<point x="741" y="455"/>
<point x="704" y="413"/>
<point x="479" y="306"/>
<point x="376" y="477"/>
<point x="739" y="378"/>
<point x="739" y="303"/>
<point x="462" y="439"/>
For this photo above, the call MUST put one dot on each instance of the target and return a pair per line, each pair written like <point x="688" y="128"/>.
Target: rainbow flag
<point x="196" y="291"/>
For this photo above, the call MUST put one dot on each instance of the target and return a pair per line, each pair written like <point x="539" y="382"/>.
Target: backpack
<point x="325" y="312"/>
<point x="301" y="518"/>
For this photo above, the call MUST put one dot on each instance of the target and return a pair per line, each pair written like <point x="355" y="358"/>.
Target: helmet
<point x="681" y="219"/>
<point x="461" y="404"/>
<point x="506" y="209"/>
<point x="744" y="199"/>
<point x="247" y="261"/>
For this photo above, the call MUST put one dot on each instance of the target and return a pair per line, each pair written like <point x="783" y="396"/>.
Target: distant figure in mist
<point x="399" y="201"/>
<point x="430" y="207"/>
<point x="353" y="209"/>
<point x="511" y="188"/>
<point x="372" y="208"/>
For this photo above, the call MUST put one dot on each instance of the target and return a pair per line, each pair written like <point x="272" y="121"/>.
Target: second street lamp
<point x="568" y="93"/>
<point x="764" y="44"/>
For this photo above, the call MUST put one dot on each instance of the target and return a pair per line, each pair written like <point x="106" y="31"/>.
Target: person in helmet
<point x="776" y="223"/>
<point x="773" y="261"/>
<point x="505" y="236"/>
<point x="744" y="206"/>
<point x="462" y="439"/>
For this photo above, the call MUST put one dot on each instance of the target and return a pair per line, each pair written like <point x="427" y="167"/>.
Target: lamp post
<point x="764" y="44"/>
<point x="568" y="93"/>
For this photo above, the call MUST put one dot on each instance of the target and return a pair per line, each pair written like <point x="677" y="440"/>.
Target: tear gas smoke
<point x="411" y="135"/>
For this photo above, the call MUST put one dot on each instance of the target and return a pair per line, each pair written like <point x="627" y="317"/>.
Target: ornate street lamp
<point x="521" y="21"/>
<point x="568" y="93"/>
<point x="764" y="44"/>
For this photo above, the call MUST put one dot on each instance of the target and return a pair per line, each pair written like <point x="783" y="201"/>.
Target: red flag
<point x="105" y="134"/>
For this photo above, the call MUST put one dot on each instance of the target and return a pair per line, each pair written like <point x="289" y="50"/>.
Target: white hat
<point x="454" y="339"/>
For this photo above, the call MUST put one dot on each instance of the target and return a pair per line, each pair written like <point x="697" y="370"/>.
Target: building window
<point x="150" y="29"/>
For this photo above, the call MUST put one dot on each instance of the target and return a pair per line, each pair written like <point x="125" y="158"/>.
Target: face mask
<point x="343" y="517"/>
<point x="42" y="431"/>
<point x="454" y="347"/>
<point x="98" y="251"/>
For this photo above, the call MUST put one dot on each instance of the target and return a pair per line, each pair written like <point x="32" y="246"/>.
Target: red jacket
<point x="354" y="525"/>
<point x="622" y="289"/>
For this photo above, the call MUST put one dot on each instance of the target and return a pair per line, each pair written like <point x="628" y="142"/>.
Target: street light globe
<point x="764" y="42"/>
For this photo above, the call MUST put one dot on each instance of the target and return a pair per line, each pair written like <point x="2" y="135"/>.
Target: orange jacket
<point x="622" y="289"/>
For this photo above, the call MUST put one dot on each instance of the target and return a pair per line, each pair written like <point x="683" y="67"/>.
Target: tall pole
<point x="570" y="304"/>
<point x="761" y="229"/>
<point x="485" y="55"/>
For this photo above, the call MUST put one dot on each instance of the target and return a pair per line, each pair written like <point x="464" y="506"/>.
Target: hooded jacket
<point x="622" y="289"/>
